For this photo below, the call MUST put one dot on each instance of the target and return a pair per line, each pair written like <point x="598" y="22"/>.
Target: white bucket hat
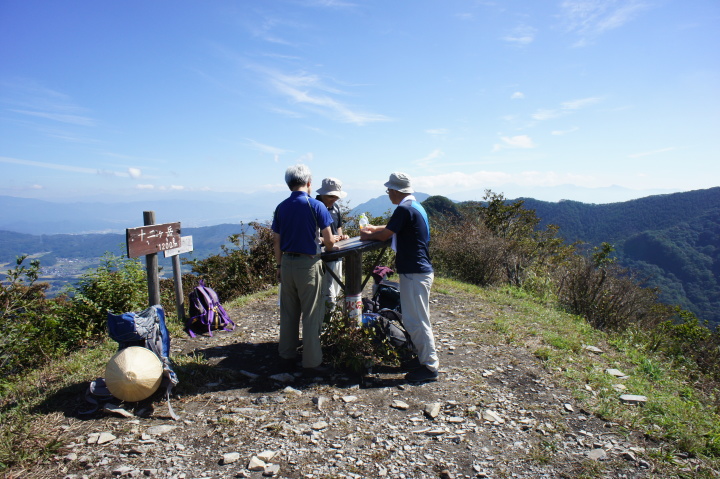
<point x="332" y="187"/>
<point x="133" y="374"/>
<point x="399" y="182"/>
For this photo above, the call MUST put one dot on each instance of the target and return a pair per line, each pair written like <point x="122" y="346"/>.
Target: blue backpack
<point x="146" y="329"/>
<point x="205" y="312"/>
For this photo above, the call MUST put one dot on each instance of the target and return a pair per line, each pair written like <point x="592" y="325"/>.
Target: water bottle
<point x="363" y="221"/>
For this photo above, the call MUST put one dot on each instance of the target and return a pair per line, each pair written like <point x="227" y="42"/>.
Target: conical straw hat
<point x="133" y="374"/>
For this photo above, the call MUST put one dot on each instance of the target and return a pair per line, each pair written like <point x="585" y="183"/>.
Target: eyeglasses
<point x="388" y="191"/>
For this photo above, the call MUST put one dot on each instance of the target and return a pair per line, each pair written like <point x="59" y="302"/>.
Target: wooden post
<point x="179" y="297"/>
<point x="151" y="262"/>
<point x="353" y="285"/>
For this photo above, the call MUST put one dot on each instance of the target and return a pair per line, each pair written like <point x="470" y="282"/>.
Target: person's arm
<point x="376" y="233"/>
<point x="328" y="238"/>
<point x="341" y="236"/>
<point x="278" y="252"/>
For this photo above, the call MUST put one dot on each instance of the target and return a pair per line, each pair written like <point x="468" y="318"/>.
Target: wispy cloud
<point x="521" y="35"/>
<point x="653" y="152"/>
<point x="70" y="168"/>
<point x="519" y="141"/>
<point x="59" y="117"/>
<point x="430" y="159"/>
<point x="437" y="131"/>
<point x="482" y="179"/>
<point x="564" y="132"/>
<point x="30" y="99"/>
<point x="518" y="95"/>
<point x="565" y="108"/>
<point x="273" y="150"/>
<point x="591" y="18"/>
<point x="312" y="93"/>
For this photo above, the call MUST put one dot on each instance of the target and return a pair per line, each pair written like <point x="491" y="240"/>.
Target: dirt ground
<point x="495" y="412"/>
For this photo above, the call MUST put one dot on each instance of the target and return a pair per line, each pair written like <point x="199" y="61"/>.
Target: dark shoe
<point x="289" y="364"/>
<point x="421" y="374"/>
<point x="410" y="364"/>
<point x="321" y="371"/>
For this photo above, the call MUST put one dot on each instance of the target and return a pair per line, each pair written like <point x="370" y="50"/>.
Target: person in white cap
<point x="409" y="228"/>
<point x="328" y="194"/>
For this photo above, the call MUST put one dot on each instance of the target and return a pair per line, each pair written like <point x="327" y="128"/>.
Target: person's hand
<point x="278" y="275"/>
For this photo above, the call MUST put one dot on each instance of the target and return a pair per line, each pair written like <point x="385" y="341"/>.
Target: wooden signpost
<point x="148" y="240"/>
<point x="186" y="246"/>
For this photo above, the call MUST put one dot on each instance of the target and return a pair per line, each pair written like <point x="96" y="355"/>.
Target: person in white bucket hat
<point x="328" y="194"/>
<point x="409" y="229"/>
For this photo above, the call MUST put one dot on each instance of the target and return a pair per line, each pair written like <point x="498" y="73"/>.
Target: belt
<point x="298" y="255"/>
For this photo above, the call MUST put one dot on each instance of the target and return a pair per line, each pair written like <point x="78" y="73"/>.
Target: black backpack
<point x="387" y="296"/>
<point x="387" y="326"/>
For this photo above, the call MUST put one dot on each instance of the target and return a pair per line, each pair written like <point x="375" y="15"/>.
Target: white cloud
<point x="564" y="132"/>
<point x="565" y="108"/>
<point x="547" y="114"/>
<point x="522" y="35"/>
<point x="580" y="103"/>
<point x="518" y="95"/>
<point x="482" y="179"/>
<point x="591" y="18"/>
<point x="519" y="141"/>
<point x="312" y="93"/>
<point x="273" y="150"/>
<point x="145" y="187"/>
<point x="134" y="172"/>
<point x="437" y="131"/>
<point x="430" y="158"/>
<point x="653" y="152"/>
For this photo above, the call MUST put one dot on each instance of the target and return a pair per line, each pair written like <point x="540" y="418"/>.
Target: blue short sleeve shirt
<point x="297" y="220"/>
<point x="410" y="224"/>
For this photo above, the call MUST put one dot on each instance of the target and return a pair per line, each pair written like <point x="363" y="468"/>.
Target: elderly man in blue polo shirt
<point x="409" y="228"/>
<point x="297" y="252"/>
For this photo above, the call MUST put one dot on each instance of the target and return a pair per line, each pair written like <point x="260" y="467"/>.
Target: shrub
<point x="608" y="297"/>
<point x="29" y="326"/>
<point x="468" y="251"/>
<point x="239" y="271"/>
<point x="35" y="329"/>
<point x="119" y="284"/>
<point x="351" y="347"/>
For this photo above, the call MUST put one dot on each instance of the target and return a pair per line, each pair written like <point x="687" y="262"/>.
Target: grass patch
<point x="33" y="406"/>
<point x="678" y="412"/>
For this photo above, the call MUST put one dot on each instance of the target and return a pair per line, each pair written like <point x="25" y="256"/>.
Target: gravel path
<point x="495" y="412"/>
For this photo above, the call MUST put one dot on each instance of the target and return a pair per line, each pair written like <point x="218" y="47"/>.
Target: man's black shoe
<point x="321" y="371"/>
<point x="289" y="364"/>
<point x="410" y="364"/>
<point x="421" y="374"/>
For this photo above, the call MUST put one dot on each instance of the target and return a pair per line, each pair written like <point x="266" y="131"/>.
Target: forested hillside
<point x="672" y="241"/>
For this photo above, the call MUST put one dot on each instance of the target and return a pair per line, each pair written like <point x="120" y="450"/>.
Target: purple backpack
<point x="206" y="313"/>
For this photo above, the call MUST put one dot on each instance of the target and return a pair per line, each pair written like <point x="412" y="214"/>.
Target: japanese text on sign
<point x="151" y="239"/>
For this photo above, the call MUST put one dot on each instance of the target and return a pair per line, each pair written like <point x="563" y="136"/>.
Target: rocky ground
<point x="495" y="412"/>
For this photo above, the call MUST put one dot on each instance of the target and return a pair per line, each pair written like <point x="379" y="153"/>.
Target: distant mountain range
<point x="671" y="240"/>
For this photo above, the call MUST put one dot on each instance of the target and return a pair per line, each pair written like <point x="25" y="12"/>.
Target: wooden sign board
<point x="186" y="246"/>
<point x="151" y="239"/>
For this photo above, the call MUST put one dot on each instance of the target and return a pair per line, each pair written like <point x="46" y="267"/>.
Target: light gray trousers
<point x="301" y="295"/>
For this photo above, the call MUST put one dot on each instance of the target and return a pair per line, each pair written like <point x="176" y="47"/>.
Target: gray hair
<point x="297" y="175"/>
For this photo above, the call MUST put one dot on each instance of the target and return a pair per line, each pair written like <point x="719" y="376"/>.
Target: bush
<point x="469" y="252"/>
<point x="35" y="329"/>
<point x="608" y="297"/>
<point x="348" y="346"/>
<point x="239" y="271"/>
<point x="119" y="284"/>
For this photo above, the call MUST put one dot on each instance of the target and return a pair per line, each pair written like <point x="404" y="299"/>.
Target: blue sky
<point x="197" y="99"/>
